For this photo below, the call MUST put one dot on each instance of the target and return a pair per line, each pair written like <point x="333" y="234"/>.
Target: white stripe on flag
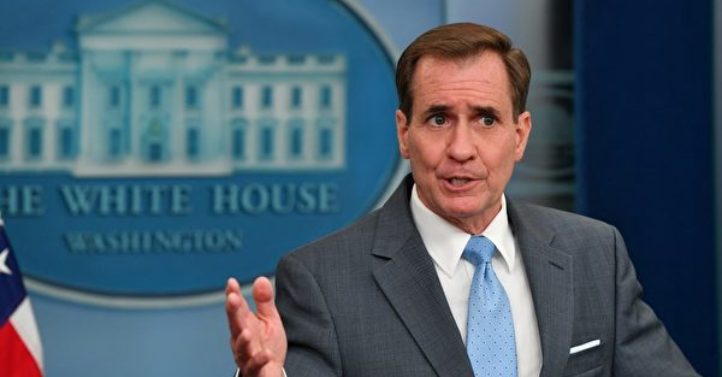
<point x="23" y="321"/>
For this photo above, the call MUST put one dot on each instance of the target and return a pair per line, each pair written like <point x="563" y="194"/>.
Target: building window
<point x="267" y="128"/>
<point x="267" y="143"/>
<point x="238" y="139"/>
<point x="193" y="142"/>
<point x="114" y="142"/>
<point x="191" y="97"/>
<point x="4" y="139"/>
<point x="267" y="59"/>
<point x="239" y="143"/>
<point x="237" y="97"/>
<point x="34" y="138"/>
<point x="35" y="142"/>
<point x="4" y="96"/>
<point x="68" y="97"/>
<point x="326" y="59"/>
<point x="325" y="97"/>
<point x="36" y="96"/>
<point x="295" y="127"/>
<point x="155" y="151"/>
<point x="155" y="96"/>
<point x="66" y="140"/>
<point x="326" y="143"/>
<point x="266" y="97"/>
<point x="326" y="137"/>
<point x="296" y="59"/>
<point x="296" y="97"/>
<point x="155" y="140"/>
<point x="114" y="97"/>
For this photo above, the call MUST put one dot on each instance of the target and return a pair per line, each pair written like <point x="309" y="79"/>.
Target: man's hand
<point x="258" y="340"/>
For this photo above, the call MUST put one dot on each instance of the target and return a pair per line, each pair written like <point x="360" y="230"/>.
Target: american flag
<point x="21" y="354"/>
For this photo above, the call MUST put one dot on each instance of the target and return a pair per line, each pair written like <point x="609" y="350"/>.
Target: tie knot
<point x="478" y="250"/>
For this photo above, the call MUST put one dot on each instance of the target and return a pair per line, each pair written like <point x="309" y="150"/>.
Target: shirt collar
<point x="445" y="242"/>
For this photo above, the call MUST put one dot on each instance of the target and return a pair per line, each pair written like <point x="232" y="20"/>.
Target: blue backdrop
<point x="645" y="141"/>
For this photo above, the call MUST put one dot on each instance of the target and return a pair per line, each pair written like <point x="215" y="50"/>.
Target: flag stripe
<point x="21" y="353"/>
<point x="15" y="358"/>
<point x="23" y="321"/>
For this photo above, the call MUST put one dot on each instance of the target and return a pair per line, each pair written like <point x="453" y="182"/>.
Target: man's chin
<point x="464" y="207"/>
<point x="462" y="213"/>
<point x="467" y="212"/>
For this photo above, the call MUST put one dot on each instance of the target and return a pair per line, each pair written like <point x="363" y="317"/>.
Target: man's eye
<point x="488" y="120"/>
<point x="438" y="120"/>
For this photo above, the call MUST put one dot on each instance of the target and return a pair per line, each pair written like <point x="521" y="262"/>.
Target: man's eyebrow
<point x="436" y="109"/>
<point x="486" y="110"/>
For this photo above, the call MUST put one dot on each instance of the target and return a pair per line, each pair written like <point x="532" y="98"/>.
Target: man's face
<point x="462" y="139"/>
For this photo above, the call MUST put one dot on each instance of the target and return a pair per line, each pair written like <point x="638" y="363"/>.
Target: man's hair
<point x="457" y="42"/>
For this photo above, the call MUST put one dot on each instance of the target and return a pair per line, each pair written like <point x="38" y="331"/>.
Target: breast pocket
<point x="585" y="359"/>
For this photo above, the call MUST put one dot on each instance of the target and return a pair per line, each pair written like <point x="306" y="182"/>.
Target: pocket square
<point x="585" y="346"/>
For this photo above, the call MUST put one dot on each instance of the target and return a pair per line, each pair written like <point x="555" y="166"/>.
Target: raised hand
<point x="258" y="340"/>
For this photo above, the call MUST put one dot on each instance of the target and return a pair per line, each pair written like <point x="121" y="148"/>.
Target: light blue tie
<point x="490" y="328"/>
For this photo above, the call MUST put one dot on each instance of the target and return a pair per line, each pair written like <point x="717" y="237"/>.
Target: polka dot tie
<point x="490" y="329"/>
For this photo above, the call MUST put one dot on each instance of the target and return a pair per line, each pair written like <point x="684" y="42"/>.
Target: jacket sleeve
<point x="642" y="346"/>
<point x="312" y="344"/>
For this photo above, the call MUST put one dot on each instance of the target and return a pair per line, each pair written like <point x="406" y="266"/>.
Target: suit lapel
<point x="550" y="277"/>
<point x="408" y="279"/>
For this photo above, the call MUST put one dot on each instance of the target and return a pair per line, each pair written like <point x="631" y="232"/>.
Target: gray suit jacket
<point x="366" y="301"/>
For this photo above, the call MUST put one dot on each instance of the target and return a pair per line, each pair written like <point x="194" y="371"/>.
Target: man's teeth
<point x="459" y="181"/>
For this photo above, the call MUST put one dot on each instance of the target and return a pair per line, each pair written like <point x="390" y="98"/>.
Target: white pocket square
<point x="585" y="346"/>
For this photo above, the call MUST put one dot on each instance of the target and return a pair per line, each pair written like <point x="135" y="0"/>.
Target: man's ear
<point x="402" y="133"/>
<point x="523" y="129"/>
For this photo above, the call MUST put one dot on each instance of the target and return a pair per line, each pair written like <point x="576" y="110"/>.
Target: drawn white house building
<point x="154" y="89"/>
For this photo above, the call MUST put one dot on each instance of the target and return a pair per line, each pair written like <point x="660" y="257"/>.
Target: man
<point x="449" y="277"/>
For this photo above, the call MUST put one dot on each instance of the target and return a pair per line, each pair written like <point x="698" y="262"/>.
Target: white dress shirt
<point x="445" y="243"/>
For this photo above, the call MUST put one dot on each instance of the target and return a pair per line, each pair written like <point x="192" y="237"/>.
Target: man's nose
<point x="461" y="146"/>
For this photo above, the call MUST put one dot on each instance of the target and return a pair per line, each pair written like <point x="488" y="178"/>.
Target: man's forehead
<point x="455" y="60"/>
<point x="487" y="57"/>
<point x="438" y="80"/>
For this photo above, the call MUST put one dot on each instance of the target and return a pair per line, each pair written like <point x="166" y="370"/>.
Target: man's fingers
<point x="248" y="328"/>
<point x="232" y="306"/>
<point x="263" y="296"/>
<point x="232" y="286"/>
<point x="236" y="307"/>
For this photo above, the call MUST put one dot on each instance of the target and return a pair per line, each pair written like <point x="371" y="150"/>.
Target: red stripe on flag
<point x="15" y="359"/>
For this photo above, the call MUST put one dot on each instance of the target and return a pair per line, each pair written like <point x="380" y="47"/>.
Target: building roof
<point x="151" y="16"/>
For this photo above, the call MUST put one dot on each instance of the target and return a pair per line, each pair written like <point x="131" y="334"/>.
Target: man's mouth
<point x="461" y="182"/>
<point x="458" y="181"/>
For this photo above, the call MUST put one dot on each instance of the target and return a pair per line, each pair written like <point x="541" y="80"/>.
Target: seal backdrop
<point x="162" y="146"/>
